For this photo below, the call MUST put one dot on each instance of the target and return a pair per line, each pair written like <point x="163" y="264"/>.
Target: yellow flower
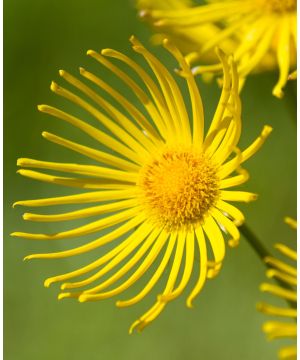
<point x="164" y="186"/>
<point x="186" y="41"/>
<point x="287" y="275"/>
<point x="262" y="33"/>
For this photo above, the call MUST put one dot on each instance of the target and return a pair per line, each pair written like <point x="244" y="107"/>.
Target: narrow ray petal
<point x="202" y="267"/>
<point x="283" y="56"/>
<point x="93" y="132"/>
<point x="92" y="153"/>
<point x="150" y="258"/>
<point x="228" y="225"/>
<point x="114" y="113"/>
<point x="285" y="250"/>
<point x="274" y="310"/>
<point x="278" y="291"/>
<point x="217" y="243"/>
<point x="82" y="213"/>
<point x="280" y="265"/>
<point x="139" y="118"/>
<point x="114" y="128"/>
<point x="232" y="211"/>
<point x="243" y="196"/>
<point x="158" y="273"/>
<point x="85" y="229"/>
<point x="90" y="170"/>
<point x="135" y="88"/>
<point x="159" y="305"/>
<point x="273" y="273"/>
<point x="82" y="183"/>
<point x="89" y="197"/>
<point x="105" y="239"/>
<point x="189" y="263"/>
<point x="141" y="235"/>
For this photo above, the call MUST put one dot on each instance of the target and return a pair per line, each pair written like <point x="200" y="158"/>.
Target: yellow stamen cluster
<point x="179" y="187"/>
<point x="279" y="6"/>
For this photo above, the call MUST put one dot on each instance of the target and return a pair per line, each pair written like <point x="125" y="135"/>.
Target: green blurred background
<point x="42" y="37"/>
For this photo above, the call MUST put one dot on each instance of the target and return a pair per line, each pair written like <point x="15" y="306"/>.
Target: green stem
<point x="256" y="244"/>
<point x="291" y="99"/>
<point x="262" y="252"/>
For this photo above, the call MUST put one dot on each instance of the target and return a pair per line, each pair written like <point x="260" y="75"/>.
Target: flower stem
<point x="256" y="244"/>
<point x="262" y="252"/>
<point x="291" y="100"/>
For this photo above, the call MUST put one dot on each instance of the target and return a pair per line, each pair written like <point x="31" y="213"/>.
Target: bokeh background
<point x="44" y="36"/>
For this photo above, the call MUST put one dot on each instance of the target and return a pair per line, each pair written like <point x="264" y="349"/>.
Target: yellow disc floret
<point x="179" y="187"/>
<point x="279" y="5"/>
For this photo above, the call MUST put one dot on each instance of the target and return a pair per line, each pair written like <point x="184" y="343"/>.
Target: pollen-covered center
<point x="280" y="5"/>
<point x="179" y="187"/>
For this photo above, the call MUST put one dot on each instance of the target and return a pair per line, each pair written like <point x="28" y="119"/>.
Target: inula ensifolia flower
<point x="262" y="34"/>
<point x="186" y="41"/>
<point x="163" y="186"/>
<point x="287" y="275"/>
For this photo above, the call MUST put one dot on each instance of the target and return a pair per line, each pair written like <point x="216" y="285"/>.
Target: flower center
<point x="179" y="187"/>
<point x="280" y="5"/>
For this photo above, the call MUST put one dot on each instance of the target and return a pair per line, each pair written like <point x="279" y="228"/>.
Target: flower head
<point x="187" y="41"/>
<point x="260" y="33"/>
<point x="163" y="187"/>
<point x="287" y="276"/>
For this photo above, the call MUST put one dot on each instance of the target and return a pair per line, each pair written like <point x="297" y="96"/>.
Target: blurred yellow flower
<point x="287" y="274"/>
<point x="164" y="186"/>
<point x="186" y="41"/>
<point x="261" y="33"/>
